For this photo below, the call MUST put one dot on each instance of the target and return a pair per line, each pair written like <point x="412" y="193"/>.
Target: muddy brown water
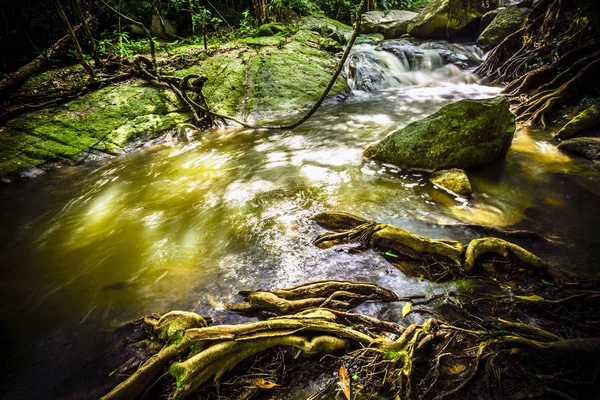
<point x="185" y="225"/>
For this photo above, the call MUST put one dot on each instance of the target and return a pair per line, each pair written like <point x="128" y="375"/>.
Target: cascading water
<point x="399" y="63"/>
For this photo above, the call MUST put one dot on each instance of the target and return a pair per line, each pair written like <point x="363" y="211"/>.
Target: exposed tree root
<point x="556" y="36"/>
<point x="433" y="359"/>
<point x="339" y="295"/>
<point x="415" y="255"/>
<point x="537" y="108"/>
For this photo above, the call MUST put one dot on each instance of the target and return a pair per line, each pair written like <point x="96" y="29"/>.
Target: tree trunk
<point x="63" y="16"/>
<point x="87" y="33"/>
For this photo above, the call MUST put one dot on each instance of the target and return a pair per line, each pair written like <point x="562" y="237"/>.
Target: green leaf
<point x="112" y="373"/>
<point x="548" y="283"/>
<point x="406" y="310"/>
<point x="390" y="254"/>
<point x="534" y="297"/>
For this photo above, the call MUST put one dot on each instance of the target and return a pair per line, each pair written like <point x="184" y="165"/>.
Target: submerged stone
<point x="588" y="147"/>
<point x="454" y="180"/>
<point x="465" y="134"/>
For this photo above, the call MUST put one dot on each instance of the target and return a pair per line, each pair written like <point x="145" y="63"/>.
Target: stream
<point x="186" y="224"/>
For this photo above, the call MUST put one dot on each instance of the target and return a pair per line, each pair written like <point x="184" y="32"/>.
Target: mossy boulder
<point x="250" y="78"/>
<point x="588" y="147"/>
<point x="391" y="24"/>
<point x="327" y="27"/>
<point x="99" y="123"/>
<point x="443" y="19"/>
<point x="584" y="121"/>
<point x="465" y="134"/>
<point x="454" y="180"/>
<point x="274" y="28"/>
<point x="268" y="76"/>
<point x="506" y="22"/>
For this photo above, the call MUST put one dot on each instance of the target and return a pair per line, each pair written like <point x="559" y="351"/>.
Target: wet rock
<point x="454" y="180"/>
<point x="506" y="22"/>
<point x="488" y="17"/>
<point x="391" y="24"/>
<point x="443" y="19"/>
<point x="327" y="27"/>
<point x="588" y="147"/>
<point x="585" y="120"/>
<point x="465" y="134"/>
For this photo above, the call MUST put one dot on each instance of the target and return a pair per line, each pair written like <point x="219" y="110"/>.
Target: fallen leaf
<point x="345" y="380"/>
<point x="406" y="310"/>
<point x="265" y="384"/>
<point x="535" y="297"/>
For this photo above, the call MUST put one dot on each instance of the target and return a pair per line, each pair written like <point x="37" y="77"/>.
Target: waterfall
<point x="399" y="63"/>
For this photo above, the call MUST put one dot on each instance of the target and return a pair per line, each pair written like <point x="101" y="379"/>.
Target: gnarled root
<point x="537" y="108"/>
<point x="480" y="249"/>
<point x="169" y="327"/>
<point x="415" y="255"/>
<point x="339" y="295"/>
<point x="220" y="358"/>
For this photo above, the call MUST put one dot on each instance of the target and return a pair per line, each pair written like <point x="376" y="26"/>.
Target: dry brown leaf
<point x="265" y="384"/>
<point x="345" y="380"/>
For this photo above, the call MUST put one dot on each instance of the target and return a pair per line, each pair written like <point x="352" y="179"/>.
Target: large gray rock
<point x="448" y="18"/>
<point x="465" y="134"/>
<point x="507" y="21"/>
<point x="391" y="24"/>
<point x="588" y="147"/>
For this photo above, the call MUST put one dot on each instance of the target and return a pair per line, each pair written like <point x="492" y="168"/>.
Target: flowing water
<point x="185" y="225"/>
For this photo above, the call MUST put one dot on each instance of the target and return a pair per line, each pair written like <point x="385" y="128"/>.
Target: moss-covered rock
<point x="98" y="123"/>
<point x="588" y="147"/>
<point x="585" y="120"/>
<point x="454" y="180"/>
<point x="391" y="24"/>
<point x="507" y="21"/>
<point x="448" y="18"/>
<point x="250" y="78"/>
<point x="327" y="27"/>
<point x="274" y="28"/>
<point x="465" y="134"/>
<point x="273" y="78"/>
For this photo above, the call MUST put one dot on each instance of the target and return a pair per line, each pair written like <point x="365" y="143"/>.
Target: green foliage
<point x="248" y="23"/>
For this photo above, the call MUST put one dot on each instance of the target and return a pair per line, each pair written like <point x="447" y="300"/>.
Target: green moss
<point x="465" y="134"/>
<point x="107" y="119"/>
<point x="274" y="28"/>
<point x="256" y="77"/>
